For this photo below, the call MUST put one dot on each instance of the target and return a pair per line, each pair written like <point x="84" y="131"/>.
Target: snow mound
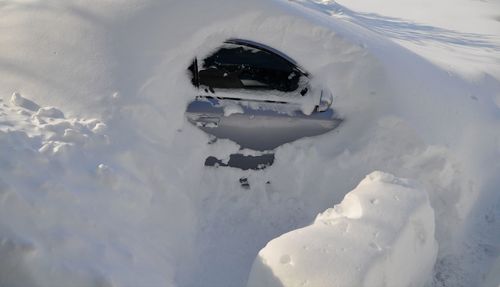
<point x="112" y="189"/>
<point x="47" y="128"/>
<point x="48" y="217"/>
<point x="366" y="240"/>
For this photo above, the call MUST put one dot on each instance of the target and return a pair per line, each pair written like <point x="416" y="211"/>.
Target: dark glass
<point x="235" y="66"/>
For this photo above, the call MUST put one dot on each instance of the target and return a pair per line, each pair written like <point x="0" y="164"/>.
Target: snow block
<point x="17" y="100"/>
<point x="381" y="234"/>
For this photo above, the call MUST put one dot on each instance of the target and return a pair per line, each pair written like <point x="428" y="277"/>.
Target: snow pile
<point x="48" y="129"/>
<point x="381" y="234"/>
<point x="102" y="179"/>
<point x="67" y="214"/>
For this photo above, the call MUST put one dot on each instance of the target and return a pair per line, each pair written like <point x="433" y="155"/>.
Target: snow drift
<point x="102" y="180"/>
<point x="381" y="234"/>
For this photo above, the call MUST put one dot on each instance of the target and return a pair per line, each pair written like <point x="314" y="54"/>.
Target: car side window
<point x="238" y="66"/>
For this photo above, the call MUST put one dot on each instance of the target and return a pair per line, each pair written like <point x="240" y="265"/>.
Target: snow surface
<point x="381" y="234"/>
<point x="106" y="185"/>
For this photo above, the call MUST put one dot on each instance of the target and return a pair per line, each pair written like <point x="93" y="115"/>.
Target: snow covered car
<point x="258" y="97"/>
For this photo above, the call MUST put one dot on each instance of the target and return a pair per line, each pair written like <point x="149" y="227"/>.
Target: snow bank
<point x="68" y="214"/>
<point x="110" y="187"/>
<point x="381" y="234"/>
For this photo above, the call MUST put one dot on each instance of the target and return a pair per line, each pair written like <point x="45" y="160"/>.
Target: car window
<point x="238" y="66"/>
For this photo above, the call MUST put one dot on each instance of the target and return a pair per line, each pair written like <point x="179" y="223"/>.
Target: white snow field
<point x="366" y="240"/>
<point x="102" y="180"/>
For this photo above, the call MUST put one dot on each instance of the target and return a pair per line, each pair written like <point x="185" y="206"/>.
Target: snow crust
<point x="102" y="180"/>
<point x="381" y="234"/>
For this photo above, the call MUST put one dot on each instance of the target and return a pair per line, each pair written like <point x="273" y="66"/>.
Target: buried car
<point x="257" y="97"/>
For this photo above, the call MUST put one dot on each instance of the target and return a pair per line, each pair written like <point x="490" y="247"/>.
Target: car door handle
<point x="207" y="121"/>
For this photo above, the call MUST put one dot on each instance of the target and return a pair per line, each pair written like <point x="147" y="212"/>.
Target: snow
<point x="304" y="104"/>
<point x="230" y="109"/>
<point x="493" y="276"/>
<point x="50" y="112"/>
<point x="366" y="240"/>
<point x="459" y="36"/>
<point x="18" y="100"/>
<point x="106" y="185"/>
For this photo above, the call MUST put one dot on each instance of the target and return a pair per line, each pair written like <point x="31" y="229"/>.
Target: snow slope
<point x="108" y="188"/>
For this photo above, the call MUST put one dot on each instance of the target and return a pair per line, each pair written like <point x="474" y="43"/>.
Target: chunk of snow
<point x="18" y="100"/>
<point x="50" y="112"/>
<point x="74" y="136"/>
<point x="232" y="109"/>
<point x="99" y="128"/>
<point x="38" y="120"/>
<point x="369" y="239"/>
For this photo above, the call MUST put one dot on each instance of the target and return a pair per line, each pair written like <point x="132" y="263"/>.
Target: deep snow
<point x="102" y="180"/>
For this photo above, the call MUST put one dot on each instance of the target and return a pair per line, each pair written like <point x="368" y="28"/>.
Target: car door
<point x="254" y="95"/>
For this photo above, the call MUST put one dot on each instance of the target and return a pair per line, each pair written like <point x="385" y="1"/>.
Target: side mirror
<point x="325" y="100"/>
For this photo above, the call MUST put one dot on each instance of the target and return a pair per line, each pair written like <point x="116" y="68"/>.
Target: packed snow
<point x="381" y="234"/>
<point x="102" y="181"/>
